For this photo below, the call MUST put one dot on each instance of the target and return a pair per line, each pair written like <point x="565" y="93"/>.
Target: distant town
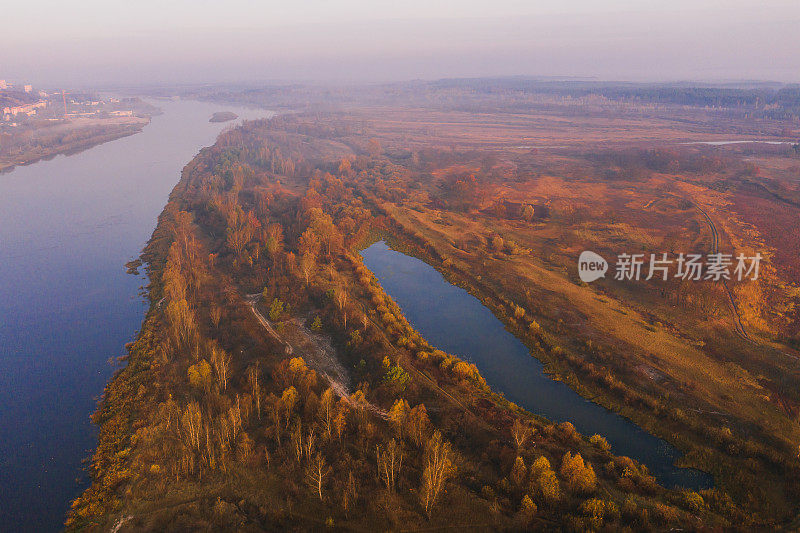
<point x="38" y="123"/>
<point x="21" y="103"/>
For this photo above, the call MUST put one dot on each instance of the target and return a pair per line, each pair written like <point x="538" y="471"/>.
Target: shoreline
<point x="74" y="148"/>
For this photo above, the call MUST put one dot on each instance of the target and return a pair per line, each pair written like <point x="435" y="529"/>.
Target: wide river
<point x="67" y="307"/>
<point x="455" y="321"/>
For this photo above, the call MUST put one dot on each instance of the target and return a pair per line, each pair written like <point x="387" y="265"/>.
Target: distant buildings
<point x="59" y="105"/>
<point x="27" y="109"/>
<point x="8" y="112"/>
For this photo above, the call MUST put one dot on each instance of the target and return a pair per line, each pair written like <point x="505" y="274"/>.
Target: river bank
<point x="67" y="307"/>
<point x="85" y="134"/>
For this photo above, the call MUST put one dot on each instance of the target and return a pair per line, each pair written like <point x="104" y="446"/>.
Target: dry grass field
<point x="710" y="367"/>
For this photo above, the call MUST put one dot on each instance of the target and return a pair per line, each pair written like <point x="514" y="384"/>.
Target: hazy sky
<point x="147" y="41"/>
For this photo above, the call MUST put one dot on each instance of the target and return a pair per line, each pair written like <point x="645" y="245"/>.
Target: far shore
<point x="97" y="132"/>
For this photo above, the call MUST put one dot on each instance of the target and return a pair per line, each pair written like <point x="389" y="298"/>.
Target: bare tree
<point x="350" y="492"/>
<point x="297" y="441"/>
<point x="222" y="362"/>
<point x="418" y="424"/>
<point x="390" y="461"/>
<point x="191" y="421"/>
<point x="288" y="402"/>
<point x="308" y="445"/>
<point x="276" y="412"/>
<point x="307" y="266"/>
<point x="216" y="315"/>
<point x="341" y="302"/>
<point x="181" y="319"/>
<point x="326" y="411"/>
<point x="252" y="379"/>
<point x="316" y="473"/>
<point x="520" y="432"/>
<point x="438" y="468"/>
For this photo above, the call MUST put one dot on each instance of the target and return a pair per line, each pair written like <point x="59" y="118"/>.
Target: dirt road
<point x="316" y="350"/>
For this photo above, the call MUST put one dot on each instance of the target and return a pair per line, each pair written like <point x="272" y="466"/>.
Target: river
<point x="67" y="307"/>
<point x="455" y="321"/>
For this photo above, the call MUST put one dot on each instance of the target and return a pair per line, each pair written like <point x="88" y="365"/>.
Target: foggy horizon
<point x="106" y="44"/>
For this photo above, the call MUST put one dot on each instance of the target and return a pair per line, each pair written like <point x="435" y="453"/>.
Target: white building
<point x="28" y="109"/>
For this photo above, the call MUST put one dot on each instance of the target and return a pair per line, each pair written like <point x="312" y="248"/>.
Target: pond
<point x="455" y="321"/>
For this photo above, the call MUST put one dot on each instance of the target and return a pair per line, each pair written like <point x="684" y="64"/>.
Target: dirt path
<point x="252" y="300"/>
<point x="738" y="326"/>
<point x="317" y="350"/>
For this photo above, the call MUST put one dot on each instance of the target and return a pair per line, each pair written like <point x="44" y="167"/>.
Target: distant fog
<point x="189" y="42"/>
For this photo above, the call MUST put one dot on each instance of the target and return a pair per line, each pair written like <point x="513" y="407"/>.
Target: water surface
<point x="67" y="226"/>
<point x="725" y="143"/>
<point x="455" y="321"/>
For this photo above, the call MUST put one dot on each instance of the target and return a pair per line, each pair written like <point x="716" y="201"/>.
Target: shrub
<point x="548" y="486"/>
<point x="276" y="309"/>
<point x="527" y="508"/>
<point x="600" y="510"/>
<point x="567" y="429"/>
<point x="541" y="464"/>
<point x="600" y="443"/>
<point x="578" y="475"/>
<point x="518" y="472"/>
<point x="692" y="501"/>
<point x="397" y="376"/>
<point x="512" y="248"/>
<point x="594" y="508"/>
<point x="630" y="510"/>
<point x="664" y="513"/>
<point x="200" y="374"/>
<point x="463" y="370"/>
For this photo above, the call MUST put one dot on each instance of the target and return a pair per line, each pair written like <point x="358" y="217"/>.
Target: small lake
<point x="67" y="227"/>
<point x="725" y="143"/>
<point x="455" y="321"/>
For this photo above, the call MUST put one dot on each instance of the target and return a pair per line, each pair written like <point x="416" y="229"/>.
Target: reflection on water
<point x="67" y="226"/>
<point x="723" y="143"/>
<point x="457" y="322"/>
